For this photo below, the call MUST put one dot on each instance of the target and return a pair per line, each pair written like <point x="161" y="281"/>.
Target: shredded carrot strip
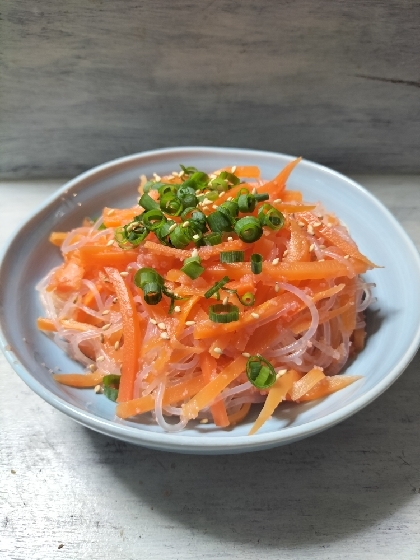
<point x="57" y="237"/>
<point x="218" y="410"/>
<point x="305" y="384"/>
<point x="79" y="379"/>
<point x="239" y="415"/>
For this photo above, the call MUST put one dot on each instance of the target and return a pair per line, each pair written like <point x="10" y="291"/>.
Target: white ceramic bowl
<point x="393" y="322"/>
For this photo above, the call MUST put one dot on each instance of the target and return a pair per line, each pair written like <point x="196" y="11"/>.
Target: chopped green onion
<point x="260" y="372"/>
<point x="152" y="185"/>
<point x="223" y="181"/>
<point x="111" y="385"/>
<point x="270" y="216"/>
<point x="246" y="202"/>
<point x="261" y="197"/>
<point x="153" y="219"/>
<point x="229" y="208"/>
<point x="163" y="232"/>
<point x="249" y="229"/>
<point x="167" y="189"/>
<point x="247" y="299"/>
<point x="188" y="170"/>
<point x="146" y="276"/>
<point x="220" y="313"/>
<point x="187" y="196"/>
<point x="198" y="181"/>
<point x="182" y="236"/>
<point x="195" y="216"/>
<point x="218" y="222"/>
<point x="131" y="235"/>
<point x="216" y="287"/>
<point x="192" y="267"/>
<point x="211" y="195"/>
<point x="213" y="238"/>
<point x="256" y="263"/>
<point x="171" y="204"/>
<point x="147" y="202"/>
<point x="152" y="293"/>
<point x="232" y="256"/>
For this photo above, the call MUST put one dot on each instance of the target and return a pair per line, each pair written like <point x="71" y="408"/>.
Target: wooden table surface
<point x="350" y="492"/>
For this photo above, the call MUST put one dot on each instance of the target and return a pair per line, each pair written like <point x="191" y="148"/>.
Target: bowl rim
<point x="201" y="443"/>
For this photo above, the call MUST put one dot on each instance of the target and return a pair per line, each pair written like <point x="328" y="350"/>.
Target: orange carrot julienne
<point x="239" y="415"/>
<point x="79" y="379"/>
<point x="218" y="409"/>
<point x="304" y="385"/>
<point x="131" y="335"/>
<point x="57" y="237"/>
<point x="329" y="385"/>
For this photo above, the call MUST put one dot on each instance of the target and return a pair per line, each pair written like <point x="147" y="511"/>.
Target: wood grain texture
<point x="86" y="81"/>
<point x="349" y="493"/>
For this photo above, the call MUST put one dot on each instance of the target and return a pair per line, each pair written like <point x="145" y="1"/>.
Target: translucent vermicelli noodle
<point x="217" y="291"/>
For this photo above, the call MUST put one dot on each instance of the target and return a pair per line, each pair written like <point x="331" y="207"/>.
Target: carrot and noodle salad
<point x="214" y="292"/>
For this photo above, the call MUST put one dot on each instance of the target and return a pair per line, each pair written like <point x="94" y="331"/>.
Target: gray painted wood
<point x="349" y="493"/>
<point x="85" y="81"/>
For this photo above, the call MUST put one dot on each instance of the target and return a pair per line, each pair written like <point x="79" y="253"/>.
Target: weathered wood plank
<point x="84" y="82"/>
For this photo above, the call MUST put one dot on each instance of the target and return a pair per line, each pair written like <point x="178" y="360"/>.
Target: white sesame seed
<point x="233" y="169"/>
<point x="123" y="274"/>
<point x="74" y="194"/>
<point x="246" y="355"/>
<point x="92" y="367"/>
<point x="100" y="358"/>
<point x="285" y="253"/>
<point x="225" y="300"/>
<point x="275" y="261"/>
<point x="255" y="315"/>
<point x="277" y="201"/>
<point x="172" y="227"/>
<point x="177" y="309"/>
<point x="281" y="372"/>
<point x="190" y="323"/>
<point x="106" y="327"/>
<point x="322" y="246"/>
<point x="105" y="312"/>
<point x="162" y="326"/>
<point x="181" y="173"/>
<point x="194" y="253"/>
<point x="157" y="177"/>
<point x="117" y="345"/>
<point x="254" y="190"/>
<point x="301" y="224"/>
<point x="115" y="300"/>
<point x="186" y="224"/>
<point x="317" y="224"/>
<point x="175" y="173"/>
<point x="196" y="237"/>
<point x="277" y="287"/>
<point x="110" y="242"/>
<point x="329" y="224"/>
<point x="310" y="229"/>
<point x="217" y="350"/>
<point x="110" y="212"/>
<point x="204" y="421"/>
<point x="79" y="204"/>
<point x="206" y="201"/>
<point x="312" y="247"/>
<point x="230" y="238"/>
<point x="153" y="321"/>
<point x="164" y="335"/>
<point x="321" y="260"/>
<point x="346" y="256"/>
<point x="229" y="198"/>
<point x="215" y="207"/>
<point x="98" y="389"/>
<point x="212" y="176"/>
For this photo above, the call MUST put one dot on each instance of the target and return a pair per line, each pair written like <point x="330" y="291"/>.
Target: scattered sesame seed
<point x="346" y="256"/>
<point x="321" y="260"/>
<point x="100" y="358"/>
<point x="229" y="198"/>
<point x="285" y="253"/>
<point x="329" y="224"/>
<point x="275" y="261"/>
<point x="106" y="327"/>
<point x="123" y="274"/>
<point x="215" y="207"/>
<point x="190" y="323"/>
<point x="175" y="174"/>
<point x="230" y="238"/>
<point x="177" y="309"/>
<point x="225" y="300"/>
<point x="110" y="242"/>
<point x="281" y="372"/>
<point x="246" y="354"/>
<point x="254" y="190"/>
<point x="115" y="300"/>
<point x="172" y="227"/>
<point x="277" y="287"/>
<point x="317" y="224"/>
<point x="157" y="177"/>
<point x="164" y="335"/>
<point x="277" y="201"/>
<point x="301" y="224"/>
<point x="206" y="201"/>
<point x="204" y="421"/>
<point x="117" y="345"/>
<point x="153" y="321"/>
<point x="194" y="253"/>
<point x="110" y="212"/>
<point x="196" y="237"/>
<point x="105" y="312"/>
<point x="106" y="280"/>
<point x="162" y="326"/>
<point x="74" y="194"/>
<point x="181" y="173"/>
<point x="98" y="389"/>
<point x="79" y="204"/>
<point x="92" y="367"/>
<point x="217" y="350"/>
<point x="312" y="247"/>
<point x="186" y="224"/>
<point x="322" y="246"/>
<point x="255" y="315"/>
<point x="212" y="176"/>
<point x="310" y="230"/>
<point x="234" y="169"/>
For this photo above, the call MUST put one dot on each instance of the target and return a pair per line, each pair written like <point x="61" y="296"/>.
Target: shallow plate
<point x="393" y="322"/>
